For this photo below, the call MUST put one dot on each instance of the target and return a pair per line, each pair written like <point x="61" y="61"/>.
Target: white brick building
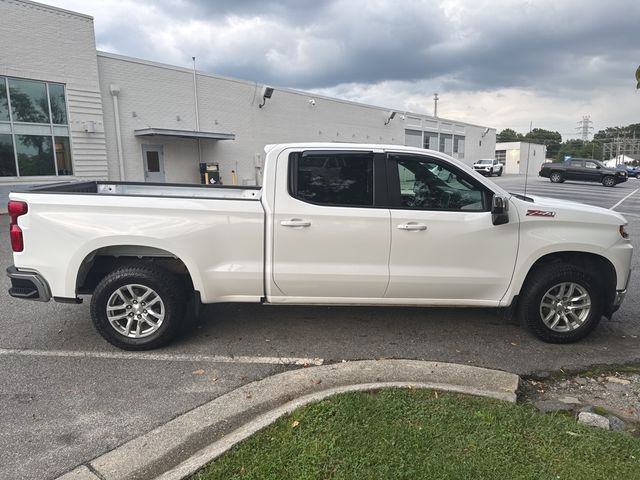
<point x="152" y="136"/>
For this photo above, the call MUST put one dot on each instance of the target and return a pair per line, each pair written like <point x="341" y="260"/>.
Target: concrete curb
<point x="181" y="446"/>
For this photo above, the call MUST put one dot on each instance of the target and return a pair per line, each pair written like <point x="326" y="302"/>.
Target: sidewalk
<point x="185" y="444"/>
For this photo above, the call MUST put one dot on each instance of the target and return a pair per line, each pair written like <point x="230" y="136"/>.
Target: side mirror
<point x="499" y="210"/>
<point x="598" y="167"/>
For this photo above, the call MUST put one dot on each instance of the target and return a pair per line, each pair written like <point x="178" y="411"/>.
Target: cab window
<point x="429" y="184"/>
<point x="332" y="178"/>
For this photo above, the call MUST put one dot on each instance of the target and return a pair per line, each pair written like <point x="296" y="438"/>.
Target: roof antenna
<point x="526" y="173"/>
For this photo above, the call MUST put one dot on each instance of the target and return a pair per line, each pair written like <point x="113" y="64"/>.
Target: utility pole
<point x="435" y="104"/>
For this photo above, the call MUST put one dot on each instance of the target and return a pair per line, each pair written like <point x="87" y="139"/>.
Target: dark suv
<point x="583" y="169"/>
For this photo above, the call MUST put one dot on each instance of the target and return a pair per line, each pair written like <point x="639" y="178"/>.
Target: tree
<point x="552" y="140"/>
<point x="611" y="133"/>
<point x="509" y="135"/>
<point x="578" y="148"/>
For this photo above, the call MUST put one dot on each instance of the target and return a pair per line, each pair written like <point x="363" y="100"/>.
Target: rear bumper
<point x="28" y="285"/>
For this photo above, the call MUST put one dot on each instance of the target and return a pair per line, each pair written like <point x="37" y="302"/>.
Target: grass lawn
<point x="414" y="434"/>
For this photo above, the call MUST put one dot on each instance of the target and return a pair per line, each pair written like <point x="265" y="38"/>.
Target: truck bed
<point x="150" y="190"/>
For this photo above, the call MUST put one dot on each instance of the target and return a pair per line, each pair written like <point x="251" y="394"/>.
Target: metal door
<point x="153" y="160"/>
<point x="444" y="247"/>
<point x="325" y="247"/>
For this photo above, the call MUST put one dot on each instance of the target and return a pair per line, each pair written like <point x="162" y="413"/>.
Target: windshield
<point x="485" y="162"/>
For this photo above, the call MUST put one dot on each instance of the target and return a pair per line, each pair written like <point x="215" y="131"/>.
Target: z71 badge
<point x="540" y="213"/>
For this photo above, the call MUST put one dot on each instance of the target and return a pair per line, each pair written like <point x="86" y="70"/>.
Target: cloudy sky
<point x="502" y="63"/>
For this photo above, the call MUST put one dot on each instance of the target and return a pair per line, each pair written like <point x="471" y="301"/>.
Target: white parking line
<point x="162" y="357"/>
<point x="624" y="199"/>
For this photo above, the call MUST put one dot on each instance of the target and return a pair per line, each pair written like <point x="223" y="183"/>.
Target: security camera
<point x="265" y="93"/>
<point x="312" y="102"/>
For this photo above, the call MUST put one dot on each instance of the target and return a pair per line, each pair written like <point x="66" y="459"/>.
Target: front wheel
<point x="555" y="177"/>
<point x="609" y="181"/>
<point x="138" y="306"/>
<point x="561" y="303"/>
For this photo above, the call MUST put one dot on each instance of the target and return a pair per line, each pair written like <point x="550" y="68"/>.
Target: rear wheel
<point x="609" y="181"/>
<point x="138" y="307"/>
<point x="556" y="177"/>
<point x="562" y="303"/>
<point x="500" y="172"/>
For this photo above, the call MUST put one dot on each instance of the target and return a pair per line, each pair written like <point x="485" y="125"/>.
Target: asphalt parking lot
<point x="66" y="396"/>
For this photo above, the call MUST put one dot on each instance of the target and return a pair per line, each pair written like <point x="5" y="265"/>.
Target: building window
<point x="446" y="143"/>
<point x="7" y="157"/>
<point x="29" y="101"/>
<point x="4" y="102"/>
<point x="34" y="129"/>
<point x="458" y="145"/>
<point x="413" y="138"/>
<point x="431" y="140"/>
<point x="501" y="156"/>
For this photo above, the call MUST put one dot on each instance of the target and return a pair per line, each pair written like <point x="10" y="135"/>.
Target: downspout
<point x="195" y="98"/>
<point x="115" y="90"/>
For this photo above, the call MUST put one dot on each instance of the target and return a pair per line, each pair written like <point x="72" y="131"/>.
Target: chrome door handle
<point x="412" y="226"/>
<point x="295" y="222"/>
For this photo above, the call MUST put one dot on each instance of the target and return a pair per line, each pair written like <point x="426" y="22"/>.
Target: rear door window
<point x="332" y="178"/>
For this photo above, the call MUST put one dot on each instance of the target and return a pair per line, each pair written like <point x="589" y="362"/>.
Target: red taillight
<point x="17" y="243"/>
<point x="16" y="209"/>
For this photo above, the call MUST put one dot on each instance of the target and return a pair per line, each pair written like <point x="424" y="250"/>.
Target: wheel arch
<point x="98" y="263"/>
<point x="601" y="267"/>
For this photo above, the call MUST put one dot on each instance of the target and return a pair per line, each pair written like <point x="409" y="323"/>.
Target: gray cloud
<point x="513" y="44"/>
<point x="566" y="49"/>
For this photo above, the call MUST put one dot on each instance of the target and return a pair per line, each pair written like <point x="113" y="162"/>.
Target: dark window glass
<point x="427" y="185"/>
<point x="446" y="143"/>
<point x="334" y="179"/>
<point x="58" y="104"/>
<point x="29" y="101"/>
<point x="576" y="163"/>
<point x="63" y="156"/>
<point x="35" y="155"/>
<point x="458" y="145"/>
<point x="7" y="160"/>
<point x="4" y="103"/>
<point x="153" y="162"/>
<point x="431" y="140"/>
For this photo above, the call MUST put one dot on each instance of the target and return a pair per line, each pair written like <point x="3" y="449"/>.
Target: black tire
<point x="172" y="304"/>
<point x="542" y="281"/>
<point x="500" y="172"/>
<point x="556" y="177"/>
<point x="608" y="181"/>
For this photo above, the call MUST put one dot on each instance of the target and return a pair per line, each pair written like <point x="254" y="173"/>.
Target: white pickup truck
<point x="334" y="224"/>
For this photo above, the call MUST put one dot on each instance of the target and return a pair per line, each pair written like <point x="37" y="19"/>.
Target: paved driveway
<point x="66" y="396"/>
